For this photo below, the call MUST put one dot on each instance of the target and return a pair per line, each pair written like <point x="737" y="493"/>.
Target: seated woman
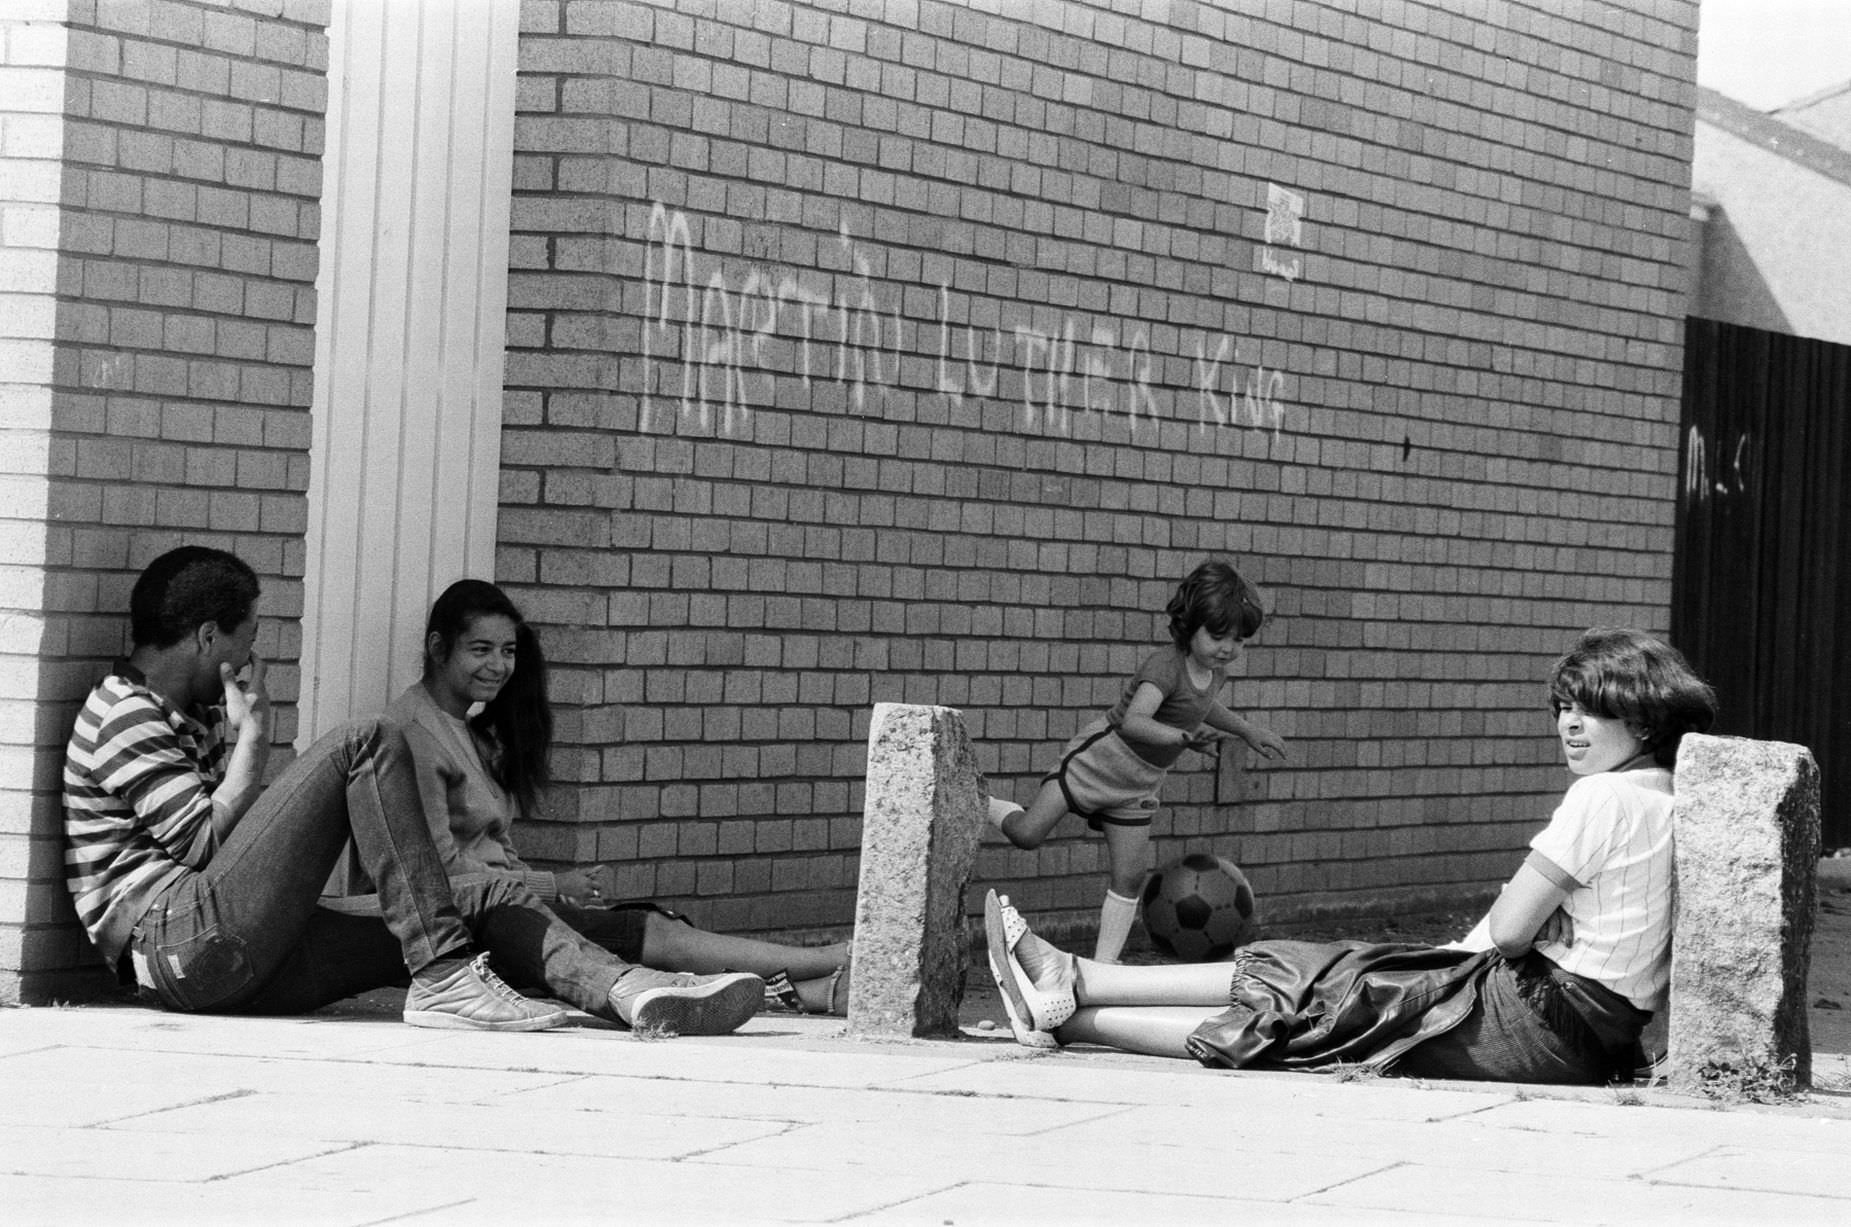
<point x="1554" y="985"/>
<point x="479" y="773"/>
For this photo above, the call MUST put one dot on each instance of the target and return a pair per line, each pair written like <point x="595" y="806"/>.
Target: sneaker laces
<point x="495" y="984"/>
<point x="642" y="979"/>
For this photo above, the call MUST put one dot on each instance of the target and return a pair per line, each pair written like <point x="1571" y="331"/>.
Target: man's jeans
<point x="245" y="934"/>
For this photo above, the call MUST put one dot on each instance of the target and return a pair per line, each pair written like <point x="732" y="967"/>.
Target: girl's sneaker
<point x="681" y="1003"/>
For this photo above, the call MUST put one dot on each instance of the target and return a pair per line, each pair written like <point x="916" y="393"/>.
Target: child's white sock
<point x="1000" y="811"/>
<point x="1115" y="917"/>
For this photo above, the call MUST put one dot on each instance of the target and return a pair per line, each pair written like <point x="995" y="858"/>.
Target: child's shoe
<point x="1000" y="810"/>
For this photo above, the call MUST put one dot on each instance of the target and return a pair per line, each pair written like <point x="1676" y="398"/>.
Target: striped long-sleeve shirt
<point x="138" y="783"/>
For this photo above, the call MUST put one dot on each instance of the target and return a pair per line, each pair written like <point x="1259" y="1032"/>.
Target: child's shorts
<point x="1104" y="780"/>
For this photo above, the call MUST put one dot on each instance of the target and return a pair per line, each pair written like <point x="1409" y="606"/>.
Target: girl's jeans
<point x="245" y="934"/>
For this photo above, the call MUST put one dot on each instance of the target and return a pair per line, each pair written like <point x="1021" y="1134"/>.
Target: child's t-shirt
<point x="1184" y="705"/>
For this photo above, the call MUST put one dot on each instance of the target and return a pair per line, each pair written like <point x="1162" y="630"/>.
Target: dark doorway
<point x="1760" y="584"/>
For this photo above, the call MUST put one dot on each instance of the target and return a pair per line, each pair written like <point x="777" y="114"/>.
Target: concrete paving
<point x="121" y="1114"/>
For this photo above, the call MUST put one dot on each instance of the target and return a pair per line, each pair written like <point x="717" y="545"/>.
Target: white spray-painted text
<point x="712" y="350"/>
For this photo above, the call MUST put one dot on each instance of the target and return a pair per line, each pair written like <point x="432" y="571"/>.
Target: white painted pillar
<point x="410" y="336"/>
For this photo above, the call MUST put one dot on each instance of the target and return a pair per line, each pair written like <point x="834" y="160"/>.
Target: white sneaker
<point x="681" y="1003"/>
<point x="463" y="994"/>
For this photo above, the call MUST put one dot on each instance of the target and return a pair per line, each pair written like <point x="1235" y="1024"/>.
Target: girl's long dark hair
<point x="519" y="720"/>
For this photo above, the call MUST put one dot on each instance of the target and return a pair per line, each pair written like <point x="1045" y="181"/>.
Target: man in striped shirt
<point x="199" y="882"/>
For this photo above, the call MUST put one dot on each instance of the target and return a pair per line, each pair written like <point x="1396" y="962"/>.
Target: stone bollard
<point x="1746" y="831"/>
<point x="920" y="825"/>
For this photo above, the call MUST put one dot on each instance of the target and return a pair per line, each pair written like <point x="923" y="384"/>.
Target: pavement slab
<point x="231" y="1203"/>
<point x="992" y="1203"/>
<point x="460" y="1184"/>
<point x="168" y="1158"/>
<point x="121" y="1114"/>
<point x="1569" y="1196"/>
<point x="357" y="1116"/>
<point x="782" y="1101"/>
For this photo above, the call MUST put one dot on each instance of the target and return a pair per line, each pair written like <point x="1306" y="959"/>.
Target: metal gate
<point x="1761" y="593"/>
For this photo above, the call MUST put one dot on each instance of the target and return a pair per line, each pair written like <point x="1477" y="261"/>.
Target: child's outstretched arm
<point x="1263" y="740"/>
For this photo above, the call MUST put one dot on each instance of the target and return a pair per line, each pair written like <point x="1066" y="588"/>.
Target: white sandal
<point x="1033" y="1012"/>
<point x="836" y="979"/>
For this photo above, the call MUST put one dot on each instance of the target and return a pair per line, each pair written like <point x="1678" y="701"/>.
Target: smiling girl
<point x="480" y="727"/>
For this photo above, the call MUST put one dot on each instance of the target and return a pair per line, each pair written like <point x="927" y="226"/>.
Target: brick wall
<point x="177" y="145"/>
<point x="912" y="350"/>
<point x="31" y="138"/>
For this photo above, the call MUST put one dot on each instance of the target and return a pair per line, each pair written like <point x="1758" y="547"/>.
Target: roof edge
<point x="1814" y="99"/>
<point x="1774" y="135"/>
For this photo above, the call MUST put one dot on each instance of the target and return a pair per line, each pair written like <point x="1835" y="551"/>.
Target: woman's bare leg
<point x="1148" y="1009"/>
<point x="1156" y="1031"/>
<point x="673" y="946"/>
<point x="1155" y="984"/>
<point x="1116" y="984"/>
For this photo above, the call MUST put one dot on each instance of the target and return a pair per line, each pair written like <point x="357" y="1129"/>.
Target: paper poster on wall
<point x="1285" y="212"/>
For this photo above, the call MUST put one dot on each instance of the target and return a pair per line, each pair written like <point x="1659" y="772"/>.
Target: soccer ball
<point x="1199" y="908"/>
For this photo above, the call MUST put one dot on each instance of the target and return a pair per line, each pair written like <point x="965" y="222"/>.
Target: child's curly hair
<point x="1632" y="676"/>
<point x="1216" y="596"/>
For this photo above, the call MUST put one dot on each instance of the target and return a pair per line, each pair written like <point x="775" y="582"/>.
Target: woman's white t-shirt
<point x="1612" y="835"/>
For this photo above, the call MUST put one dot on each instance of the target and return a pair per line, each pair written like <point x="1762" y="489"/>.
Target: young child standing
<point x="1110" y="772"/>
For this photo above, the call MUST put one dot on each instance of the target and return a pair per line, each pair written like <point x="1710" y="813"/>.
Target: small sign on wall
<point x="1285" y="213"/>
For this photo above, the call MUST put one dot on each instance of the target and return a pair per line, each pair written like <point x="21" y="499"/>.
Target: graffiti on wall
<point x="1720" y="471"/>
<point x="714" y="348"/>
